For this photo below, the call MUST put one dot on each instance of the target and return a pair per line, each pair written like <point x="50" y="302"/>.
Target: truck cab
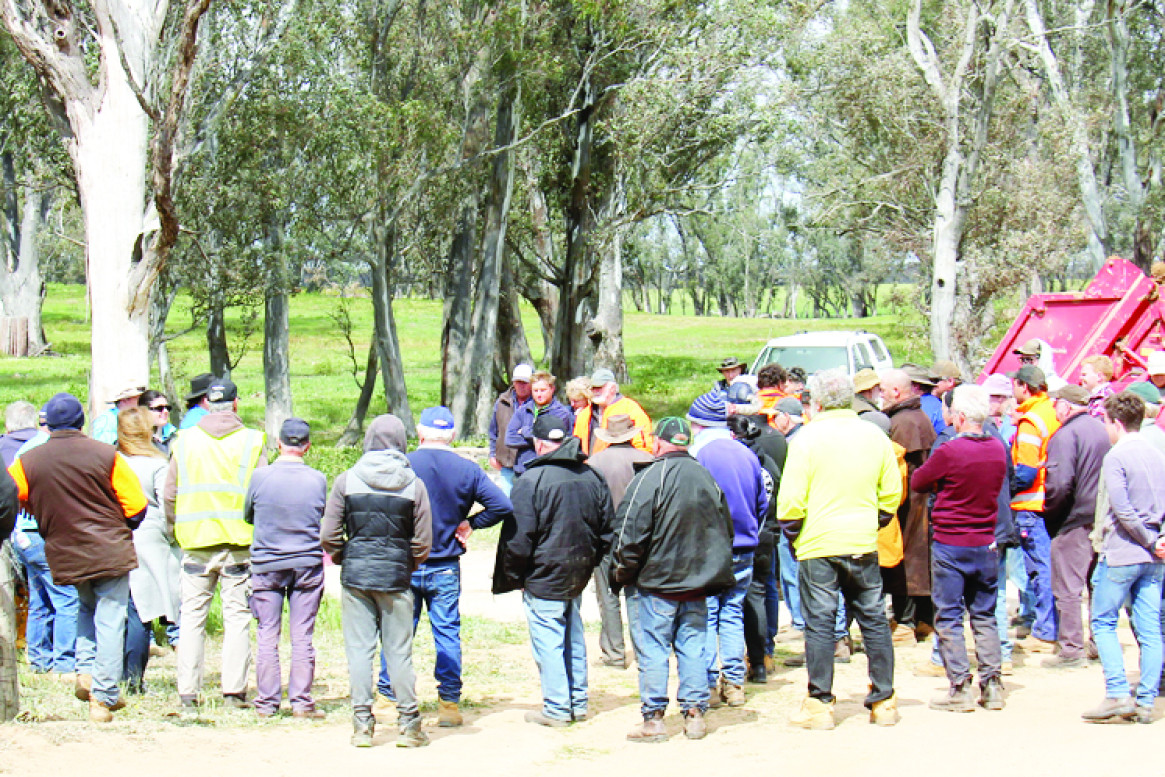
<point x="815" y="351"/>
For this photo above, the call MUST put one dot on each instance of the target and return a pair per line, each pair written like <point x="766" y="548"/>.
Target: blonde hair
<point x="579" y="388"/>
<point x="1101" y="364"/>
<point x="135" y="432"/>
<point x="543" y="375"/>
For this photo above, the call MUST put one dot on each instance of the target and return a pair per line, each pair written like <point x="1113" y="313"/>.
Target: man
<point x="205" y="495"/>
<point x="1129" y="565"/>
<point x="770" y="383"/>
<point x="51" y="630"/>
<point x="1155" y="374"/>
<point x="923" y="385"/>
<point x="999" y="392"/>
<point x="1075" y="455"/>
<point x="674" y="545"/>
<point x="967" y="473"/>
<point x="519" y="435"/>
<point x="1028" y="353"/>
<point x="501" y="456"/>
<point x="788" y="417"/>
<point x="379" y="526"/>
<point x="741" y="479"/>
<point x="787" y="420"/>
<point x="104" y="428"/>
<point x="912" y="429"/>
<point x="454" y="485"/>
<point x="606" y="401"/>
<point x="1029" y="452"/>
<point x="947" y="377"/>
<point x="841" y="482"/>
<point x="730" y="369"/>
<point x="196" y="400"/>
<point x="285" y="503"/>
<point x="616" y="463"/>
<point x="87" y="501"/>
<point x="560" y="530"/>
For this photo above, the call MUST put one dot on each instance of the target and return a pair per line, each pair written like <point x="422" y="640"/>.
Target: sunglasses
<point x="160" y="408"/>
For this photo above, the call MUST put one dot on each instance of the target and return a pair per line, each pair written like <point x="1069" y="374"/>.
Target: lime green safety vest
<point x="213" y="475"/>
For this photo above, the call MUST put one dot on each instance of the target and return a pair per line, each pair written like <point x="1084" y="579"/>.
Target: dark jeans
<point x="859" y="581"/>
<point x="966" y="580"/>
<point x="138" y="637"/>
<point x="303" y="588"/>
<point x="901" y="603"/>
<point x="756" y="623"/>
<point x="1071" y="560"/>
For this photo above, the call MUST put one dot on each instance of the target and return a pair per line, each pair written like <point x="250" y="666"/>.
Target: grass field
<point x="671" y="358"/>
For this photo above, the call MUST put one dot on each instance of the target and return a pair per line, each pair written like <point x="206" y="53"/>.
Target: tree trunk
<point x="459" y="275"/>
<point x="387" y="344"/>
<point x="9" y="685"/>
<point x="354" y="431"/>
<point x="160" y="305"/>
<point x="513" y="347"/>
<point x="22" y="288"/>
<point x="606" y="328"/>
<point x="276" y="337"/>
<point x="216" y="337"/>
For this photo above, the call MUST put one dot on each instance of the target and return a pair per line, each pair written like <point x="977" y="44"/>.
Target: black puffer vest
<point x="379" y="527"/>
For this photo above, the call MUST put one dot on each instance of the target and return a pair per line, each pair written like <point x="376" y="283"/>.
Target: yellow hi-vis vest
<point x="213" y="475"/>
<point x="1040" y="413"/>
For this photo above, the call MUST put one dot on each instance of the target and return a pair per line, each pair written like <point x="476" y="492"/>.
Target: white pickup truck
<point x="815" y="351"/>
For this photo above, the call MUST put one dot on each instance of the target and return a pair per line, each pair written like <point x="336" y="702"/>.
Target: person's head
<point x="896" y="387"/>
<point x="796" y="381"/>
<point x="969" y="408"/>
<point x="620" y="429"/>
<point x="868" y="385"/>
<point x="385" y="433"/>
<point x="772" y="376"/>
<point x="64" y="412"/>
<point x="1156" y="369"/>
<point x="1096" y="370"/>
<point x="671" y="434"/>
<point x="1027" y="382"/>
<point x="947" y="375"/>
<point x="222" y="396"/>
<point x="550" y="433"/>
<point x="741" y="399"/>
<point x="542" y="387"/>
<point x="1028" y="353"/>
<point x="830" y="390"/>
<point x="948" y="415"/>
<point x="158" y="405"/>
<point x="999" y="390"/>
<point x="787" y="414"/>
<point x="1069" y="401"/>
<point x="1123" y="414"/>
<point x="708" y="411"/>
<point x="604" y="389"/>
<point x="730" y="368"/>
<point x="198" y="386"/>
<point x="520" y="380"/>
<point x="135" y="432"/>
<point x="436" y="426"/>
<point x="294" y="437"/>
<point x="920" y="379"/>
<point x="128" y="396"/>
<point x="20" y="415"/>
<point x="578" y="392"/>
<point x="1151" y="395"/>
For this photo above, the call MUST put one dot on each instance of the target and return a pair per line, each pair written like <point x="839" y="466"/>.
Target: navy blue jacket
<point x="520" y="432"/>
<point x="454" y="483"/>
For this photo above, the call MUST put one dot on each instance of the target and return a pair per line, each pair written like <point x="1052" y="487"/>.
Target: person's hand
<point x="462" y="533"/>
<point x="493" y="462"/>
<point x="1159" y="547"/>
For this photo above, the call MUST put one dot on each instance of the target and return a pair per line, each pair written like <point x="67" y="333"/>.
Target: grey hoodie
<point x="383" y="467"/>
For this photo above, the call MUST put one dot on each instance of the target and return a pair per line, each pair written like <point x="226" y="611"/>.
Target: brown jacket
<point x="911" y="428"/>
<point x="616" y="464"/>
<point x="87" y="501"/>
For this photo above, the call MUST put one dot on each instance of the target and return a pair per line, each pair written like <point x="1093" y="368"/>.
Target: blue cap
<point x="437" y="418"/>
<point x="64" y="411"/>
<point x="295" y="432"/>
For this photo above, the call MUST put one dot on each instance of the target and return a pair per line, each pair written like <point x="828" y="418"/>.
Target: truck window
<point x="810" y="358"/>
<point x="862" y="356"/>
<point x="880" y="353"/>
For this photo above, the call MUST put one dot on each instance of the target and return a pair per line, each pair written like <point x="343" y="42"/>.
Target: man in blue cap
<point x="455" y="484"/>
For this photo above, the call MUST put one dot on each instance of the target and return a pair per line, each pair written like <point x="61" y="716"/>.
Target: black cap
<point x="222" y="390"/>
<point x="550" y="428"/>
<point x="674" y="430"/>
<point x="295" y="432"/>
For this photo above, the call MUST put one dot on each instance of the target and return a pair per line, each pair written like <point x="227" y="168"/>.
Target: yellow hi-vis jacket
<point x="1037" y="424"/>
<point x="213" y="476"/>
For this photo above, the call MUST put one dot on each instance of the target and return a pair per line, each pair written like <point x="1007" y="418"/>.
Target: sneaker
<point x="545" y="720"/>
<point x="82" y="685"/>
<point x="188" y="705"/>
<point x="814" y="714"/>
<point x="651" y="730"/>
<point x="448" y="714"/>
<point x="732" y="694"/>
<point x="263" y="713"/>
<point x="843" y="651"/>
<point x="885" y="712"/>
<point x="991" y="695"/>
<point x="1110" y="710"/>
<point x="411" y="734"/>
<point x="930" y="669"/>
<point x="695" y="727"/>
<point x="957" y="699"/>
<point x="362" y="731"/>
<point x="1060" y="662"/>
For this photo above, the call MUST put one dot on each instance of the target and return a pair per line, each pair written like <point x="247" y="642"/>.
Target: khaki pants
<point x="202" y="570"/>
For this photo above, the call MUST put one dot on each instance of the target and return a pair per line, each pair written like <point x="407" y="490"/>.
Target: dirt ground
<point x="1040" y="731"/>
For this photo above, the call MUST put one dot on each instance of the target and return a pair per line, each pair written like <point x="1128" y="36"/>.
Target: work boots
<point x="100" y="712"/>
<point x="732" y="694"/>
<point x="885" y="712"/>
<point x="991" y="695"/>
<point x="82" y="686"/>
<point x="363" y="727"/>
<point x="652" y="729"/>
<point x="694" y="725"/>
<point x="448" y="715"/>
<point x="411" y="734"/>
<point x="814" y="714"/>
<point x="957" y="699"/>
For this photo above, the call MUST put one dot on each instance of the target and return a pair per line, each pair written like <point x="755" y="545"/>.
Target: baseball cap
<point x="64" y="411"/>
<point x="791" y="406"/>
<point x="1076" y="395"/>
<point x="1030" y="348"/>
<point x="740" y="393"/>
<point x="1146" y="391"/>
<point x="550" y="428"/>
<point x="222" y="390"/>
<point x="1029" y="375"/>
<point x="998" y="385"/>
<point x="294" y="432"/>
<point x="674" y="430"/>
<point x="602" y="377"/>
<point x="523" y="373"/>
<point x="439" y="417"/>
<point x="1156" y="363"/>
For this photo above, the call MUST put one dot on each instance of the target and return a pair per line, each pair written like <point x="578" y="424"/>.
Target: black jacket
<point x="673" y="531"/>
<point x="560" y="529"/>
<point x="1075" y="454"/>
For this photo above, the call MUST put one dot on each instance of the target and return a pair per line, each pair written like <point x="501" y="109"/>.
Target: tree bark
<point x="513" y="347"/>
<point x="216" y="337"/>
<point x="387" y="344"/>
<point x="22" y="288"/>
<point x="9" y="683"/>
<point x="354" y="431"/>
<point x="276" y="337"/>
<point x="606" y="328"/>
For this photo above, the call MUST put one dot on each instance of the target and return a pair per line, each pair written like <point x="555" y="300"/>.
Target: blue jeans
<point x="1111" y="588"/>
<point x="437" y="586"/>
<point x="560" y="651"/>
<point x="724" y="642"/>
<point x="1037" y="553"/>
<point x="51" y="633"/>
<point x="138" y="637"/>
<point x="101" y="633"/>
<point x="1017" y="575"/>
<point x="789" y="587"/>
<point x="665" y="625"/>
<point x="507" y="484"/>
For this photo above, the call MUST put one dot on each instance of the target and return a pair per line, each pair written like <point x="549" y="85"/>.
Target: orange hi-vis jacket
<point x="622" y="406"/>
<point x="1037" y="424"/>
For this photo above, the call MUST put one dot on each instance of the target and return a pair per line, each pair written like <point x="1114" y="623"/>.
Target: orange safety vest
<point x="1037" y="424"/>
<point x="623" y="406"/>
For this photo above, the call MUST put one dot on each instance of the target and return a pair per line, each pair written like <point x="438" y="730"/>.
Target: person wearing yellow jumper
<point x="841" y="482"/>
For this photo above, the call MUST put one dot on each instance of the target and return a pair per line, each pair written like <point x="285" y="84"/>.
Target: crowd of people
<point x="904" y="500"/>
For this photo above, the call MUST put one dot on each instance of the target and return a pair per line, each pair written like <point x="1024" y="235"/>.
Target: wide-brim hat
<point x="866" y="379"/>
<point x="198" y="386"/>
<point x="620" y="428"/>
<point x="918" y="375"/>
<point x="129" y="391"/>
<point x="1029" y="348"/>
<point x="730" y="363"/>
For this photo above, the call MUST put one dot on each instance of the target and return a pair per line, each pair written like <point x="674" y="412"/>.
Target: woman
<point x="159" y="407"/>
<point x="520" y="433"/>
<point x="578" y="393"/>
<point x="153" y="585"/>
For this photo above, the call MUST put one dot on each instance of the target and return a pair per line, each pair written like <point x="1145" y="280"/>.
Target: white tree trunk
<point x="21" y="283"/>
<point x="949" y="218"/>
